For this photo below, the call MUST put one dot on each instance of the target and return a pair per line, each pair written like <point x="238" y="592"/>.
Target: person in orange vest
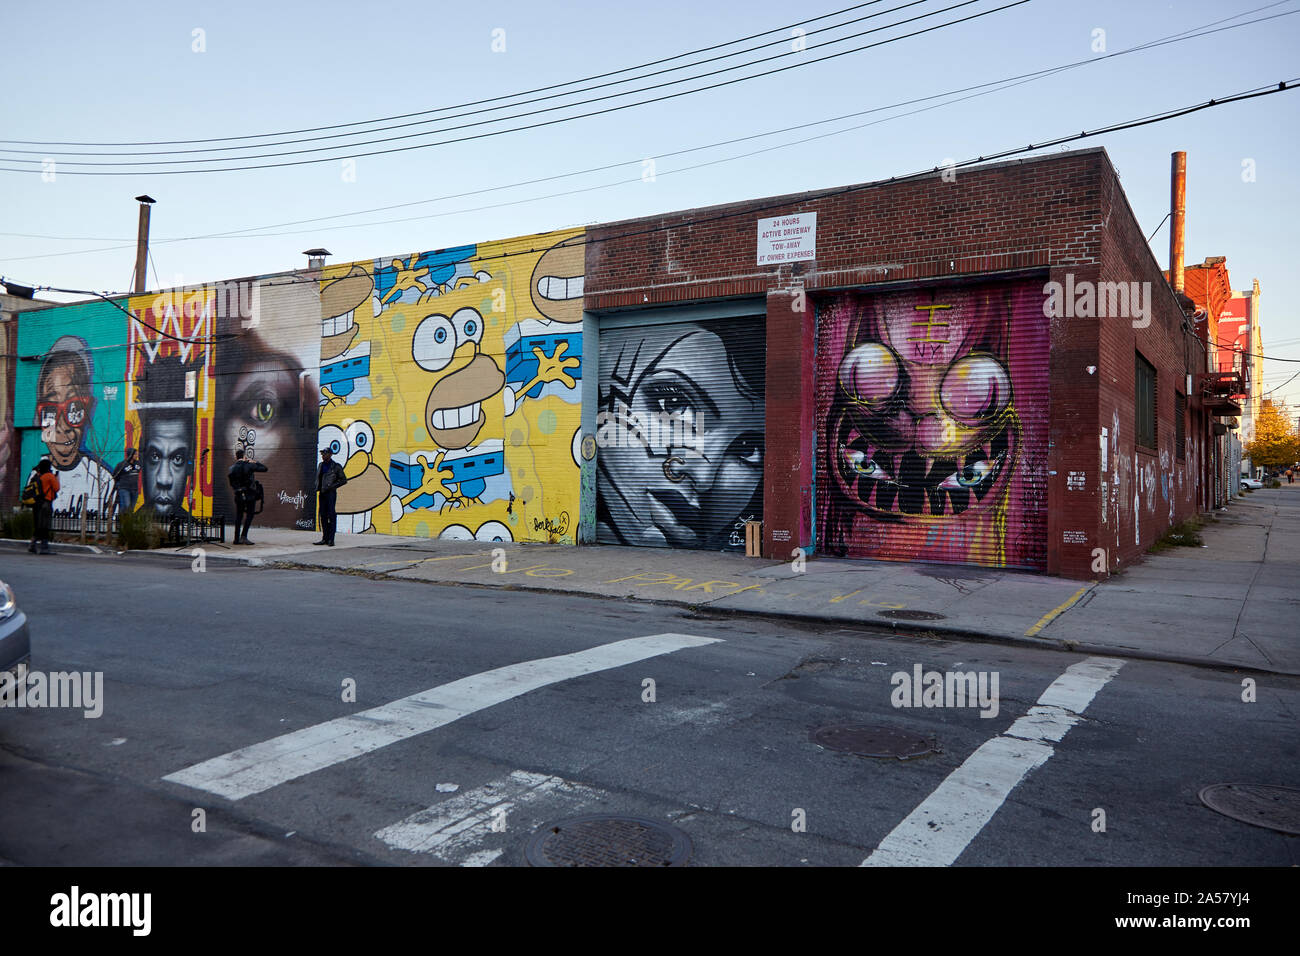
<point x="47" y="489"/>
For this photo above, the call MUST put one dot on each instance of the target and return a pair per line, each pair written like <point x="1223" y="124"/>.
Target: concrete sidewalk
<point x="1231" y="603"/>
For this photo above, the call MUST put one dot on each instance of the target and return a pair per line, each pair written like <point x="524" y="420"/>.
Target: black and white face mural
<point x="680" y="434"/>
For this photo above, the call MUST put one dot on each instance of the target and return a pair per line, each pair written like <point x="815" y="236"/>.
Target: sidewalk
<point x="1233" y="602"/>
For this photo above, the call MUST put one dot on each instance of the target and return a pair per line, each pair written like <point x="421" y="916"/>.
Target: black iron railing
<point x="178" y="530"/>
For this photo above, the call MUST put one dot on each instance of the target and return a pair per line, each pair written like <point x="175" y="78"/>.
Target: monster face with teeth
<point x="922" y="435"/>
<point x="450" y="344"/>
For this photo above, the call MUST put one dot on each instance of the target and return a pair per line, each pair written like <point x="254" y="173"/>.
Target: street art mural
<point x="448" y="384"/>
<point x="171" y="399"/>
<point x="450" y="390"/>
<point x="680" y="434"/>
<point x="932" y="416"/>
<point x="267" y="375"/>
<point x="69" y="399"/>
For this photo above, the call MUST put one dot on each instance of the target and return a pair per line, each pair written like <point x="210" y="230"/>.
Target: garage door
<point x="932" y="412"/>
<point x="679" y="433"/>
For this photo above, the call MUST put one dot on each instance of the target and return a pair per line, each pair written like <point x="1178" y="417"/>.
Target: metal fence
<point x="178" y="530"/>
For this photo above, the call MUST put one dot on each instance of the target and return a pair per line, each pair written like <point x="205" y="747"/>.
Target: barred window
<point x="1144" y="400"/>
<point x="1180" y="424"/>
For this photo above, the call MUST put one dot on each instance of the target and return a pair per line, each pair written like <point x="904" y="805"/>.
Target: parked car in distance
<point x="1251" y="483"/>
<point x="15" y="647"/>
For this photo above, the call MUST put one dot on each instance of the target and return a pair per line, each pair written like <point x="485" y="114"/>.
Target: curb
<point x="157" y="555"/>
<point x="931" y="629"/>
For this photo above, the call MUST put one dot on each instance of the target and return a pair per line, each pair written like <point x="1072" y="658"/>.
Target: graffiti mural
<point x="450" y="390"/>
<point x="171" y="399"/>
<point x="932" y="410"/>
<point x="73" y="383"/>
<point x="680" y="434"/>
<point x="267" y="370"/>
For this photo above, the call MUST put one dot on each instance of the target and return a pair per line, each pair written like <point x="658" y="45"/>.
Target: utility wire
<point x="491" y="133"/>
<point x="750" y="210"/>
<point x="385" y="119"/>
<point x="1002" y="84"/>
<point x="782" y="40"/>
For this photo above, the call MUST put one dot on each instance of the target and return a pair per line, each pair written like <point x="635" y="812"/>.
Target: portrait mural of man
<point x="65" y="405"/>
<point x="166" y="438"/>
<point x="171" y="400"/>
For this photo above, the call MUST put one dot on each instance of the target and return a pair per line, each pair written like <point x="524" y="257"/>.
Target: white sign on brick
<point x="787" y="239"/>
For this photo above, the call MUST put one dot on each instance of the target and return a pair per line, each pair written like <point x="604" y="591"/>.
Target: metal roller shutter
<point x="932" y="421"/>
<point x="679" y="433"/>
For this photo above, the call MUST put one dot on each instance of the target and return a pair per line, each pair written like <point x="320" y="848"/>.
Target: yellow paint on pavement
<point x="1056" y="611"/>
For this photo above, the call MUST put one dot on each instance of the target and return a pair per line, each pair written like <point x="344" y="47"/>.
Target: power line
<point x="750" y="210"/>
<point x="1001" y="84"/>
<point x="385" y="119"/>
<point x="783" y="40"/>
<point x="460" y="139"/>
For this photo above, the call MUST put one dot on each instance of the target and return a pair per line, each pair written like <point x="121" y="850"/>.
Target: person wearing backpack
<point x="245" y="487"/>
<point x="40" y="492"/>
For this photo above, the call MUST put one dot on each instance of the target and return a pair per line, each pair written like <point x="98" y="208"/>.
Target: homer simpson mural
<point x="451" y="390"/>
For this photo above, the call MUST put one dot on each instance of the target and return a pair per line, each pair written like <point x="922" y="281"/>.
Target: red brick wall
<point x="1148" y="489"/>
<point x="1050" y="213"/>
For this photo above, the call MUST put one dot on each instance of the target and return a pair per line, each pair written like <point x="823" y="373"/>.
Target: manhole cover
<point x="1276" y="808"/>
<point x="874" y="741"/>
<point x="911" y="615"/>
<point x="603" y="840"/>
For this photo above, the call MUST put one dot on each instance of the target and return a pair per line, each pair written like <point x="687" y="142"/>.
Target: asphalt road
<point x="198" y="665"/>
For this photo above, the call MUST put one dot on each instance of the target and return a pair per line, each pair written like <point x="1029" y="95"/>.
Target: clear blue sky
<point x="110" y="73"/>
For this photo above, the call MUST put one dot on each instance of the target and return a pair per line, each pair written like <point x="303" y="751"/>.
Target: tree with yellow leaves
<point x="1276" y="443"/>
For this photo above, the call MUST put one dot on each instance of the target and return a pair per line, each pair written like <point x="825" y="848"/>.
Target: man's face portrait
<point x="166" y="465"/>
<point x="63" y="413"/>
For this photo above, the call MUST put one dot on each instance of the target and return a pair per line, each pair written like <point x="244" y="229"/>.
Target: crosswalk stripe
<point x="250" y="770"/>
<point x="939" y="830"/>
<point x="453" y="829"/>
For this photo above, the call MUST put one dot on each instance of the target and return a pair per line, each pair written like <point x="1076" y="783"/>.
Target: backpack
<point x="32" y="494"/>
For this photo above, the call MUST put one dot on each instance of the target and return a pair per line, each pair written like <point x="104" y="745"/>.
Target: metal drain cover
<point x="605" y="840"/>
<point x="1276" y="808"/>
<point x="911" y="615"/>
<point x="874" y="741"/>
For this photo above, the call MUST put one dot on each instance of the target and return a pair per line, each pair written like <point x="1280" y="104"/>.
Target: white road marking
<point x="940" y="829"/>
<point x="242" y="773"/>
<point x="453" y="829"/>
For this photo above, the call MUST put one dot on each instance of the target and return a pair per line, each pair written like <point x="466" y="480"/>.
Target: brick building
<point x="1059" y="403"/>
<point x="981" y="366"/>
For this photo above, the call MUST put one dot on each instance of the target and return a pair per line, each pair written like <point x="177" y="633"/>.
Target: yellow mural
<point x="170" y="400"/>
<point x="451" y="390"/>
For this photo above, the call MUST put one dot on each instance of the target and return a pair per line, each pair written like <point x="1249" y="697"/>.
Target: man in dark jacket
<point x="126" y="481"/>
<point x="244" y="486"/>
<point x="329" y="478"/>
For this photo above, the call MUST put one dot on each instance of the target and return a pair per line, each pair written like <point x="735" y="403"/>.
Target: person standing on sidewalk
<point x="329" y="478"/>
<point x="47" y="489"/>
<point x="126" y="481"/>
<point x="244" y="486"/>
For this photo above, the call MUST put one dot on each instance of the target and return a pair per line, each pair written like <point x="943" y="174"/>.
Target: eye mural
<point x="933" y="406"/>
<point x="266" y="384"/>
<point x="680" y="432"/>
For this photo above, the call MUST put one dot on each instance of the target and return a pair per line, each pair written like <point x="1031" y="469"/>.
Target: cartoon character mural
<point x="65" y="407"/>
<point x="171" y="399"/>
<point x="461" y="419"/>
<point x="932" y="435"/>
<point x="680" y="429"/>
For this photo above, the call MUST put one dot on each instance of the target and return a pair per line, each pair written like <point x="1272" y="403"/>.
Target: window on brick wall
<point x="1144" y="400"/>
<point x="1180" y="424"/>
